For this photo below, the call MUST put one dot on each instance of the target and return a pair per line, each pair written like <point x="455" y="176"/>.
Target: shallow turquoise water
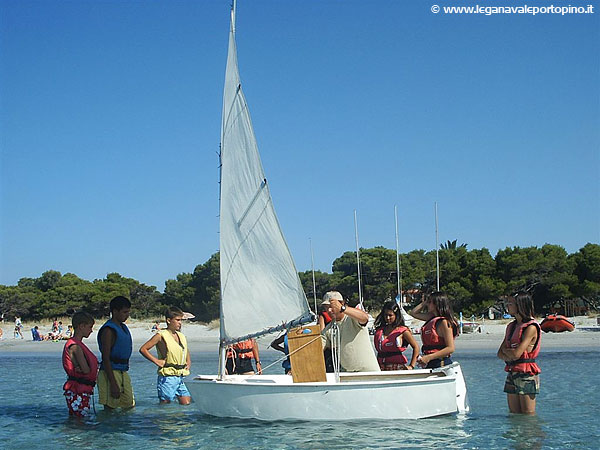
<point x="33" y="413"/>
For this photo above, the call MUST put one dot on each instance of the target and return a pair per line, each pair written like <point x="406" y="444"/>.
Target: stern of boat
<point x="462" y="400"/>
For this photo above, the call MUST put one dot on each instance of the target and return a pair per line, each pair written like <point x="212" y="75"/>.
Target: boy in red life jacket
<point x="520" y="347"/>
<point x="81" y="366"/>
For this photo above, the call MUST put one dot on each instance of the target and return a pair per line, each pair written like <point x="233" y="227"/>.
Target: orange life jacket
<point x="242" y="350"/>
<point x="526" y="362"/>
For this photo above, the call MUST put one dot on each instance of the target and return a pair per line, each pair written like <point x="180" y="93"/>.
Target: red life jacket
<point x="326" y="317"/>
<point x="242" y="350"/>
<point x="389" y="348"/>
<point x="432" y="341"/>
<point x="79" y="382"/>
<point x="526" y="362"/>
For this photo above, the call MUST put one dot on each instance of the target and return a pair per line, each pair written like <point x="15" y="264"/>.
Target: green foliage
<point x="473" y="278"/>
<point x="53" y="295"/>
<point x="198" y="293"/>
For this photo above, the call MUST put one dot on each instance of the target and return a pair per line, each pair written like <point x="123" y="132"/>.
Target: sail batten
<point x="261" y="291"/>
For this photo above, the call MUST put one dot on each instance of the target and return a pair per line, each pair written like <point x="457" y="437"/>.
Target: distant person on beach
<point x="356" y="353"/>
<point x="173" y="360"/>
<point x="115" y="343"/>
<point x="155" y="327"/>
<point x="36" y="335"/>
<point x="281" y="345"/>
<point x="391" y="339"/>
<point x="81" y="366"/>
<point x="18" y="328"/>
<point x="519" y="349"/>
<point x="438" y="332"/>
<point x="1" y="334"/>
<point x="239" y="358"/>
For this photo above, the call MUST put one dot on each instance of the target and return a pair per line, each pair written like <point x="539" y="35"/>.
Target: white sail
<point x="260" y="287"/>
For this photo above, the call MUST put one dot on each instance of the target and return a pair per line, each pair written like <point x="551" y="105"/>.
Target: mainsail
<point x="260" y="287"/>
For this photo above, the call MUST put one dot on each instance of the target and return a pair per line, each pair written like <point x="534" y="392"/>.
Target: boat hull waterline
<point x="358" y="396"/>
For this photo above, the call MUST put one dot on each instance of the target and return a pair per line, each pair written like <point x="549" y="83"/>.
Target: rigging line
<point x="229" y="121"/>
<point x="335" y="349"/>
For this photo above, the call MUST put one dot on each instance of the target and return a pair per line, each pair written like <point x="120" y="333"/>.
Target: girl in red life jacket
<point x="520" y="347"/>
<point x="438" y="331"/>
<point x="391" y="339"/>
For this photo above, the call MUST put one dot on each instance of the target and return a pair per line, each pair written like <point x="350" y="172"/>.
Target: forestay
<point x="260" y="287"/>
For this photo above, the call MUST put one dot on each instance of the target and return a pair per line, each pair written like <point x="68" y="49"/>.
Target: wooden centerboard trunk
<point x="306" y="354"/>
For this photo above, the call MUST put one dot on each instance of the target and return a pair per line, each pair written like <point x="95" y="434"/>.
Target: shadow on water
<point x="524" y="432"/>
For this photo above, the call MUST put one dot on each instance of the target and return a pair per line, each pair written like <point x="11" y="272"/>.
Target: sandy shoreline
<point x="204" y="339"/>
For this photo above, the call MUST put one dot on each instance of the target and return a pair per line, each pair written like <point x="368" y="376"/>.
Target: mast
<point x="222" y="345"/>
<point x="437" y="250"/>
<point x="398" y="268"/>
<point x="312" y="262"/>
<point x="360" y="298"/>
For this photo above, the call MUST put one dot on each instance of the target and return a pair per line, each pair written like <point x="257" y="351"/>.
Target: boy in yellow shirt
<point x="173" y="360"/>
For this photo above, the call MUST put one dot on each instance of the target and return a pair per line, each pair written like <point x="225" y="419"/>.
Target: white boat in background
<point x="261" y="293"/>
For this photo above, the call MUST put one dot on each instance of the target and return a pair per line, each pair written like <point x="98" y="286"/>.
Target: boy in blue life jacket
<point x="114" y="341"/>
<point x="173" y="360"/>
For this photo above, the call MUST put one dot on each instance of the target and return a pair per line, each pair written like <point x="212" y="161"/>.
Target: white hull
<point x="369" y="395"/>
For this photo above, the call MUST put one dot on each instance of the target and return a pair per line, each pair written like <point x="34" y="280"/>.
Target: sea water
<point x="33" y="413"/>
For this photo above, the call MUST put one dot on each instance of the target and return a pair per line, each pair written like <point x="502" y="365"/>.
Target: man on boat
<point x="356" y="352"/>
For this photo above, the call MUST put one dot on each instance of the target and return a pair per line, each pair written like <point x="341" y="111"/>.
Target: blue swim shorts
<point x="171" y="387"/>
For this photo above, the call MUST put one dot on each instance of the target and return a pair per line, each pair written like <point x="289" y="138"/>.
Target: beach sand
<point x="202" y="338"/>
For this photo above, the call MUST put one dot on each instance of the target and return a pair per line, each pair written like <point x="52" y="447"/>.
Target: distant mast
<point x="398" y="268"/>
<point x="312" y="263"/>
<point x="360" y="298"/>
<point x="437" y="250"/>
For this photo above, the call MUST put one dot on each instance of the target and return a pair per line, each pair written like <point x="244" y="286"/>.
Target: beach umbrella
<point x="187" y="315"/>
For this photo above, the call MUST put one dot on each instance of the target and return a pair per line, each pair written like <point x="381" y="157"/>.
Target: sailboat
<point x="261" y="293"/>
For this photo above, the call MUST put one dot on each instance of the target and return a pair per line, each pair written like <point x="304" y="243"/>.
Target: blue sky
<point x="110" y="121"/>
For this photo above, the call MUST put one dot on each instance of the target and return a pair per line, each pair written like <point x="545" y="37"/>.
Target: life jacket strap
<point x="176" y="366"/>
<point x="388" y="354"/>
<point x="519" y="361"/>
<point x="119" y="361"/>
<point x="82" y="380"/>
<point x="432" y="347"/>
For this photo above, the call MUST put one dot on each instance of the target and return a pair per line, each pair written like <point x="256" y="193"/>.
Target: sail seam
<point x="252" y="202"/>
<point x="229" y="121"/>
<point x="237" y="250"/>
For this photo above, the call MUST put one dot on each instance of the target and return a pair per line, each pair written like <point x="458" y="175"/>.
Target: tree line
<point x="473" y="278"/>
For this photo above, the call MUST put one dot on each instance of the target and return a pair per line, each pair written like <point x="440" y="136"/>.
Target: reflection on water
<point x="35" y="404"/>
<point x="525" y="432"/>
